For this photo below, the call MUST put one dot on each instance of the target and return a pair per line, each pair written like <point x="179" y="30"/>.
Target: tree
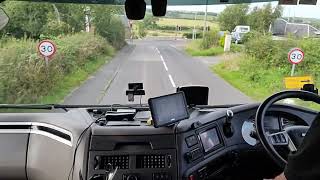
<point x="232" y="16"/>
<point x="261" y="18"/>
<point x="26" y="19"/>
<point x="108" y="25"/>
<point x="150" y="22"/>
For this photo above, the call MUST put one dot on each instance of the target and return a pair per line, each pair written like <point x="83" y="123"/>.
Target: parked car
<point x="238" y="33"/>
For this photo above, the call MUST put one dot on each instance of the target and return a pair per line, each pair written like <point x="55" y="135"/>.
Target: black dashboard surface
<point x="197" y="147"/>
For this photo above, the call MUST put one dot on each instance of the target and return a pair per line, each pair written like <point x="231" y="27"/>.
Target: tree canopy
<point x="232" y="16"/>
<point x="259" y="18"/>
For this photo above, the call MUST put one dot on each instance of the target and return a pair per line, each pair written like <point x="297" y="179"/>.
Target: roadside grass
<point x="73" y="80"/>
<point x="185" y="22"/>
<point x="257" y="82"/>
<point x="250" y="78"/>
<point x="193" y="49"/>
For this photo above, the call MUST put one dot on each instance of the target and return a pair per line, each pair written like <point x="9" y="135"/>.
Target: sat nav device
<point x="195" y="95"/>
<point x="169" y="109"/>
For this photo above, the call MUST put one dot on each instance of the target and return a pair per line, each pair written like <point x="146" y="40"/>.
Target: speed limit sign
<point x="47" y="48"/>
<point x="296" y="56"/>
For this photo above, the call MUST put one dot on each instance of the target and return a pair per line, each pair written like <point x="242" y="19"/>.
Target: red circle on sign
<point x="293" y="50"/>
<point x="50" y="42"/>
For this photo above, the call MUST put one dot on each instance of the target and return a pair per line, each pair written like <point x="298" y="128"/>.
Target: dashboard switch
<point x="191" y="141"/>
<point x="191" y="177"/>
<point x="161" y="176"/>
<point x="193" y="155"/>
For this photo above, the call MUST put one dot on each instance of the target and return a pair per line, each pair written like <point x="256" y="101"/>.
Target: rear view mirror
<point x="159" y="7"/>
<point x="4" y="19"/>
<point x="135" y="9"/>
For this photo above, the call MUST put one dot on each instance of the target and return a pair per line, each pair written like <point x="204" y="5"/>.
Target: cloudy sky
<point x="310" y="11"/>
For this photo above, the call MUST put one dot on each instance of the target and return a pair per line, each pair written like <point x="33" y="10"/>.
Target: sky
<point x="307" y="11"/>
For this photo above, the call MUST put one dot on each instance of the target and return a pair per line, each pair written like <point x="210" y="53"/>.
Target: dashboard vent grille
<point x="150" y="161"/>
<point x="121" y="161"/>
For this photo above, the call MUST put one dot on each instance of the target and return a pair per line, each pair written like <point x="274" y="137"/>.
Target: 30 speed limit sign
<point x="47" y="48"/>
<point x="296" y="56"/>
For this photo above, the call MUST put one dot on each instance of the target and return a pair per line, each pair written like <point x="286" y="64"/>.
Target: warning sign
<point x="297" y="82"/>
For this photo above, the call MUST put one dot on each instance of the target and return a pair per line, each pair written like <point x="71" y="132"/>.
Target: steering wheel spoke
<point x="282" y="139"/>
<point x="279" y="138"/>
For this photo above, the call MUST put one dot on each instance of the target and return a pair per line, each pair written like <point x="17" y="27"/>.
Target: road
<point x="162" y="66"/>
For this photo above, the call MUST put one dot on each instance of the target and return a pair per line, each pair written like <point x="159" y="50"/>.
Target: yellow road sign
<point x="297" y="82"/>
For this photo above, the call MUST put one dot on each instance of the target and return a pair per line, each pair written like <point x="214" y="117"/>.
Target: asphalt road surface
<point x="162" y="67"/>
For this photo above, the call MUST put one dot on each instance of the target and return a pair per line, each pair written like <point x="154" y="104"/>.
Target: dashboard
<point x="81" y="145"/>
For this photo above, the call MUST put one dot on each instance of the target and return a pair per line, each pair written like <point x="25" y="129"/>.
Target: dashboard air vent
<point x="120" y="161"/>
<point x="150" y="161"/>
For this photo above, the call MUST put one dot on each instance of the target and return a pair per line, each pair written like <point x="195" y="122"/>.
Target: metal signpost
<point x="47" y="49"/>
<point x="295" y="56"/>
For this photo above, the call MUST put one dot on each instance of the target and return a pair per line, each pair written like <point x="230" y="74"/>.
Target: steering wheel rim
<point x="260" y="117"/>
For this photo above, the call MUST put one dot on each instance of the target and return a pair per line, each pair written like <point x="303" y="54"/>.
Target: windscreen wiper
<point x="217" y="106"/>
<point x="113" y="106"/>
<point x="66" y="107"/>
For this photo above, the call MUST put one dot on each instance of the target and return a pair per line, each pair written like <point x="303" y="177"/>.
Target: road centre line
<point x="161" y="58"/>
<point x="165" y="66"/>
<point x="171" y="80"/>
<point x="158" y="50"/>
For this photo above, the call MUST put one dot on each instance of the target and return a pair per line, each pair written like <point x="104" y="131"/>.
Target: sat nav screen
<point x="210" y="139"/>
<point x="166" y="110"/>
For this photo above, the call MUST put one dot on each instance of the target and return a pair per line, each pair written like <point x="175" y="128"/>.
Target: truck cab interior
<point x="176" y="136"/>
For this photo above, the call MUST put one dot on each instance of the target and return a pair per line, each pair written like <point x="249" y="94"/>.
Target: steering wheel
<point x="291" y="136"/>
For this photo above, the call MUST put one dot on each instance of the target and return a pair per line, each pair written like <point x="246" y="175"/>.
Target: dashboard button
<point x="191" y="141"/>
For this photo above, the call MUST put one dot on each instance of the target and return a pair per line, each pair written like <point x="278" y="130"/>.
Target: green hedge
<point x="24" y="77"/>
<point x="188" y="35"/>
<point x="261" y="70"/>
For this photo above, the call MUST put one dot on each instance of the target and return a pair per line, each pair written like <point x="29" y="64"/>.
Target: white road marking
<point x="158" y="51"/>
<point x="161" y="58"/>
<point x="165" y="65"/>
<point x="171" y="80"/>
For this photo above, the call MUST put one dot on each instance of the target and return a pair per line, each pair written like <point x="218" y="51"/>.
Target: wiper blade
<point x="26" y="106"/>
<point x="66" y="107"/>
<point x="217" y="106"/>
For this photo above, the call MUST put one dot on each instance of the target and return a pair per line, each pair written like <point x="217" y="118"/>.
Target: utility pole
<point x="205" y="19"/>
<point x="87" y="18"/>
<point x="194" y="34"/>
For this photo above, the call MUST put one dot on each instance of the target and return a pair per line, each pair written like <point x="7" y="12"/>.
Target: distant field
<point x="184" y="22"/>
<point x="191" y="16"/>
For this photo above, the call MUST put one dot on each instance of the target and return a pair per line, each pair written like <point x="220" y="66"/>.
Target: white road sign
<point x="296" y="56"/>
<point x="47" y="48"/>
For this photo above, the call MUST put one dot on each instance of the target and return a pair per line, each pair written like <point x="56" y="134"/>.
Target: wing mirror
<point x="4" y="19"/>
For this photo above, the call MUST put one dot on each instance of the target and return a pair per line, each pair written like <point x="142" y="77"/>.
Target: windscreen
<point x="87" y="54"/>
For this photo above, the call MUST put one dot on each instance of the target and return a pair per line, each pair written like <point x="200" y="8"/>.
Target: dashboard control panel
<point x="191" y="140"/>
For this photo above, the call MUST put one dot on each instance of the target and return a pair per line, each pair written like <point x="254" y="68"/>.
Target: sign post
<point x="295" y="56"/>
<point x="47" y="49"/>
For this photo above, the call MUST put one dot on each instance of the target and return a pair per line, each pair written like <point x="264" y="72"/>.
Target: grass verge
<point x="193" y="49"/>
<point x="257" y="82"/>
<point x="250" y="78"/>
<point x="73" y="80"/>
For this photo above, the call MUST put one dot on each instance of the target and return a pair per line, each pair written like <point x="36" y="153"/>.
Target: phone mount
<point x="135" y="89"/>
<point x="310" y="88"/>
